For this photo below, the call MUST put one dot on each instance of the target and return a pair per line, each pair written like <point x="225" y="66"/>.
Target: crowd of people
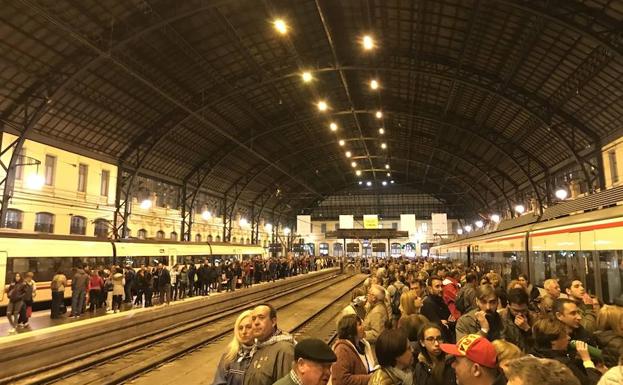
<point x="111" y="288"/>
<point x="419" y="322"/>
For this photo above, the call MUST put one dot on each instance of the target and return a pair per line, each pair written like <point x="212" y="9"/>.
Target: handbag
<point x="28" y="311"/>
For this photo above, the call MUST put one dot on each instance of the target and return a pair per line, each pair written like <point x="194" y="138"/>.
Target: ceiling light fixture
<point x="353" y="164"/>
<point x="495" y="218"/>
<point x="281" y="26"/>
<point x="333" y="126"/>
<point x="561" y="194"/>
<point x="322" y="105"/>
<point x="383" y="146"/>
<point x="379" y="114"/>
<point x="358" y="172"/>
<point x="374" y="84"/>
<point x="384" y="183"/>
<point x="381" y="131"/>
<point x="307" y="77"/>
<point x="368" y="183"/>
<point x="367" y="42"/>
<point x="348" y="154"/>
<point x="520" y="209"/>
<point x="387" y="166"/>
<point x="389" y="174"/>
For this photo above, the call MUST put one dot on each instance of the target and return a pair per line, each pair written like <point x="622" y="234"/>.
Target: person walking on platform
<point x="164" y="284"/>
<point x="235" y="361"/>
<point x="31" y="293"/>
<point x="312" y="364"/>
<point x="15" y="292"/>
<point x="57" y="286"/>
<point x="273" y="352"/>
<point x="79" y="284"/>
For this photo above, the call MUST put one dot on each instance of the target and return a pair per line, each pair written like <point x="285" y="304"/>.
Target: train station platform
<point x="40" y="322"/>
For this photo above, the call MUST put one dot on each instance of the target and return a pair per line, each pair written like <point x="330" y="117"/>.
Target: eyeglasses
<point x="434" y="339"/>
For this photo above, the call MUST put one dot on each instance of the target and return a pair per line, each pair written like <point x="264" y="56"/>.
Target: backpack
<point x="396" y="302"/>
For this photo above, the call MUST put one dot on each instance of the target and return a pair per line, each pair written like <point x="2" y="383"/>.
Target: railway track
<point x="119" y="362"/>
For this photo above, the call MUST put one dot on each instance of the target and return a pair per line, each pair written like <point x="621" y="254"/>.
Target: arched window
<point x="160" y="234"/>
<point x="142" y="234"/>
<point x="101" y="228"/>
<point x="247" y="241"/>
<point x="78" y="225"/>
<point x="14" y="219"/>
<point x="234" y="240"/>
<point x="209" y="237"/>
<point x="173" y="236"/>
<point x="197" y="237"/>
<point x="218" y="238"/>
<point x="44" y="223"/>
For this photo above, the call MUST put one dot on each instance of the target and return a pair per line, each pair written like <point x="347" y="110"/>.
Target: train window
<point x="173" y="236"/>
<point x="78" y="225"/>
<point x="160" y="234"/>
<point x="14" y="219"/>
<point x="101" y="228"/>
<point x="44" y="223"/>
<point x="142" y="234"/>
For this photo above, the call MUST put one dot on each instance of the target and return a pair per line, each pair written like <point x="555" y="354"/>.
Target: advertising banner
<point x="346" y="221"/>
<point x="371" y="221"/>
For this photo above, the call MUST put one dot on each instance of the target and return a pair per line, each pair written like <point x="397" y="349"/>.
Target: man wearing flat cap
<point x="312" y="364"/>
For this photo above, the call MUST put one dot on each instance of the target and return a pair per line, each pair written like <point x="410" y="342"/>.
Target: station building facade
<point x="64" y="193"/>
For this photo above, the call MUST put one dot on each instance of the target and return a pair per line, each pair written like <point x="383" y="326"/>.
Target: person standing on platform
<point x="183" y="282"/>
<point x="355" y="360"/>
<point x="235" y="361"/>
<point x="273" y="352"/>
<point x="118" y="290"/>
<point x="96" y="284"/>
<point x="16" y="292"/>
<point x="57" y="286"/>
<point x="79" y="283"/>
<point x="312" y="364"/>
<point x="436" y="310"/>
<point x="192" y="274"/>
<point x="164" y="284"/>
<point x="130" y="277"/>
<point x="377" y="314"/>
<point x="588" y="307"/>
<point x="476" y="360"/>
<point x="31" y="293"/>
<point x="552" y="288"/>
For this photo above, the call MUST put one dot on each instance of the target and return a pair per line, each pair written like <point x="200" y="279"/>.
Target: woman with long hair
<point x="410" y="303"/>
<point x="432" y="368"/>
<point x="355" y="361"/>
<point x="609" y="333"/>
<point x="235" y="361"/>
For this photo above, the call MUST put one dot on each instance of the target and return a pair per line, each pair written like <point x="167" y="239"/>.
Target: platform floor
<point x="40" y="322"/>
<point x="199" y="367"/>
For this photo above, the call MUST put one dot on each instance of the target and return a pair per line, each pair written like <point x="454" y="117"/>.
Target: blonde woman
<point x="506" y="352"/>
<point x="410" y="303"/>
<point x="235" y="361"/>
<point x="609" y="333"/>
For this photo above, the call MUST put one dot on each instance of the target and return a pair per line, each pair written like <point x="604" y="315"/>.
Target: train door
<point x="172" y="257"/>
<point x="3" y="262"/>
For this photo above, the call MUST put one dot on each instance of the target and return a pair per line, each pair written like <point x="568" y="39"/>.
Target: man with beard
<point x="484" y="320"/>
<point x="273" y="352"/>
<point x="312" y="364"/>
<point x="518" y="320"/>
<point x="436" y="310"/>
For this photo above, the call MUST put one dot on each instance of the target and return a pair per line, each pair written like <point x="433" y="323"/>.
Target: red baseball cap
<point x="476" y="348"/>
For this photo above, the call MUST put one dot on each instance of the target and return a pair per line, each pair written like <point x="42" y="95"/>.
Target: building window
<point x="218" y="238"/>
<point x="83" y="171"/>
<point x="234" y="240"/>
<point x="44" y="223"/>
<point x="50" y="169"/>
<point x="209" y="237"/>
<point x="104" y="183"/>
<point x="173" y="236"/>
<point x="160" y="234"/>
<point x="612" y="158"/>
<point x="19" y="166"/>
<point x="14" y="219"/>
<point x="395" y="225"/>
<point x="101" y="228"/>
<point x="323" y="228"/>
<point x="142" y="234"/>
<point x="78" y="225"/>
<point x="197" y="237"/>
